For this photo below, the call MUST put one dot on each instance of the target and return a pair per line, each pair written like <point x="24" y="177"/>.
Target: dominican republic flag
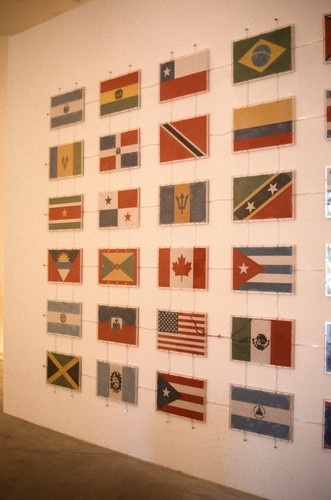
<point x="265" y="341"/>
<point x="263" y="125"/>
<point x="184" y="139"/>
<point x="183" y="267"/>
<point x="263" y="269"/>
<point x="184" y="76"/>
<point x="120" y="151"/>
<point x="181" y="396"/>
<point x="261" y="412"/>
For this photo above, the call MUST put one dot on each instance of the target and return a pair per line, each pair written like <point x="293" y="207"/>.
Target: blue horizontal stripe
<point x="279" y="431"/>
<point x="266" y="287"/>
<point x="261" y="131"/>
<point x="58" y="121"/>
<point x="107" y="142"/>
<point x="75" y="95"/>
<point x="65" y="307"/>
<point x="63" y="265"/>
<point x="265" y="398"/>
<point x="73" y="330"/>
<point x="277" y="269"/>
<point x="129" y="159"/>
<point x="265" y="250"/>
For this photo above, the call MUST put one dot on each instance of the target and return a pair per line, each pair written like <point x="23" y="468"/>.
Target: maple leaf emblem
<point x="181" y="267"/>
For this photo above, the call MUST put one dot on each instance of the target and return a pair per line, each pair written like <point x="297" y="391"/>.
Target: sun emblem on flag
<point x="63" y="257"/>
<point x="63" y="318"/>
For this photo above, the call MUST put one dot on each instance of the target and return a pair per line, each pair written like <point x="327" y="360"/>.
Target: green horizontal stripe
<point x="64" y="225"/>
<point x="66" y="199"/>
<point x="117" y="106"/>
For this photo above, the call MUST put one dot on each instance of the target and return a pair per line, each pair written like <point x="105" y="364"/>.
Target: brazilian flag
<point x="262" y="55"/>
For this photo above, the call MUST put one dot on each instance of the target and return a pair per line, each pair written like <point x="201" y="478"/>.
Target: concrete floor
<point x="39" y="464"/>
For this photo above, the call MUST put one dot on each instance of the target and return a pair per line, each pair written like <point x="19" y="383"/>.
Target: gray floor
<point x="36" y="463"/>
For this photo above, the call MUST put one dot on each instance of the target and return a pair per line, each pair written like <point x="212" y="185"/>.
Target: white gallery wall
<point x="113" y="37"/>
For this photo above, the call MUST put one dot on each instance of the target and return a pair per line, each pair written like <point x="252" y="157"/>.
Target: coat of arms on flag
<point x="327" y="38"/>
<point x="261" y="412"/>
<point x="327" y="425"/>
<point x="118" y="324"/>
<point x="65" y="266"/>
<point x="117" y="382"/>
<point x="120" y="151"/>
<point x="263" y="125"/>
<point x="184" y="268"/>
<point x="184" y="76"/>
<point x="65" y="212"/>
<point x="181" y="396"/>
<point x="118" y="209"/>
<point x="260" y="197"/>
<point x="262" y="55"/>
<point x="120" y="93"/>
<point x="64" y="318"/>
<point x="119" y="266"/>
<point x="263" y="269"/>
<point x="184" y="203"/>
<point x="67" y="108"/>
<point x="328" y="192"/>
<point x="66" y="160"/>
<point x="328" y="347"/>
<point x="63" y="370"/>
<point x="184" y="139"/>
<point x="182" y="332"/>
<point x="265" y="341"/>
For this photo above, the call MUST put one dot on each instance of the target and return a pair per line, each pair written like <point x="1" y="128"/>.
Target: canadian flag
<point x="183" y="267"/>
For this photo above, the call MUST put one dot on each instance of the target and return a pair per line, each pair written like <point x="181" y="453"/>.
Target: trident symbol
<point x="65" y="161"/>
<point x="181" y="202"/>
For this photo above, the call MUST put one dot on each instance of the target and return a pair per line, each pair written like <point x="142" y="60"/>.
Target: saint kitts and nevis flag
<point x="119" y="209"/>
<point x="262" y="341"/>
<point x="65" y="266"/>
<point x="68" y="108"/>
<point x="263" y="269"/>
<point x="119" y="266"/>
<point x="184" y="268"/>
<point x="184" y="332"/>
<point x="263" y="125"/>
<point x="184" y="76"/>
<point x="117" y="382"/>
<point x="120" y="93"/>
<point x="260" y="197"/>
<point x="66" y="160"/>
<point x="261" y="412"/>
<point x="63" y="370"/>
<point x="65" y="212"/>
<point x="120" y="151"/>
<point x="181" y="396"/>
<point x="184" y="139"/>
<point x="64" y="318"/>
<point x="118" y="324"/>
<point x="262" y="55"/>
<point x="184" y="203"/>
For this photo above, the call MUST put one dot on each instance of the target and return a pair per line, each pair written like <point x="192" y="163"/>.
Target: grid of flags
<point x="255" y="197"/>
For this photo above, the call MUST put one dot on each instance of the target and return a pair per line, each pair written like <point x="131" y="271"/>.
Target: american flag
<point x="182" y="332"/>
